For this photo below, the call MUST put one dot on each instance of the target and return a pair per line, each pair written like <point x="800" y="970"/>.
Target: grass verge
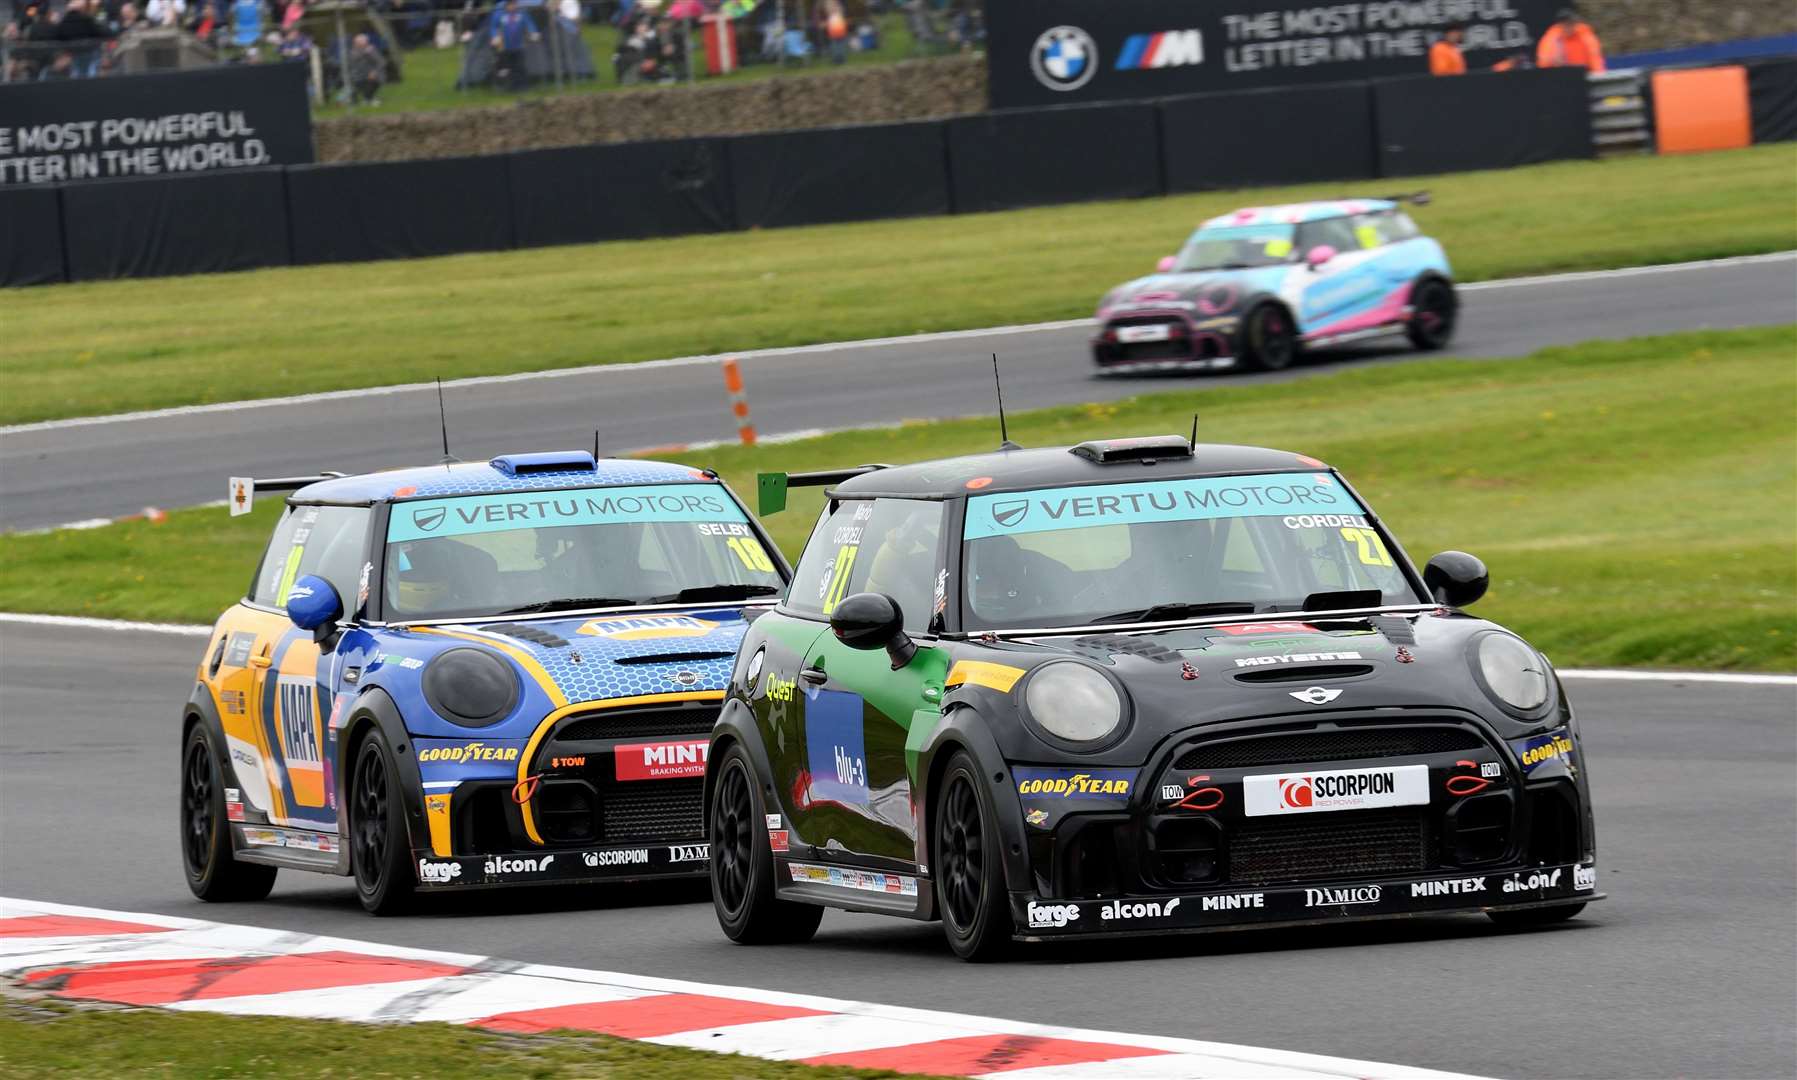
<point x="1635" y="500"/>
<point x="104" y="347"/>
<point x="52" y="1039"/>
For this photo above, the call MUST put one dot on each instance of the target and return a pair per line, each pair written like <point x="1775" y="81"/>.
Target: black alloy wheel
<point x="212" y="873"/>
<point x="1433" y="310"/>
<point x="970" y="883"/>
<point x="1270" y="341"/>
<point x="380" y="853"/>
<point x="742" y="864"/>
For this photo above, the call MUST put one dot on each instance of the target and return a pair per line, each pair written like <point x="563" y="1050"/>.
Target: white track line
<point x="529" y="987"/>
<point x="1615" y="674"/>
<point x="794" y="350"/>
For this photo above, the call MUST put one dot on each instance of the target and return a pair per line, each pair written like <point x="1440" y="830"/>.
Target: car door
<point x="857" y="714"/>
<point x="294" y="691"/>
<point x="1331" y="292"/>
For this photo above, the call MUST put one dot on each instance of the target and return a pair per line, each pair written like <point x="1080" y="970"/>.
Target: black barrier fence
<point x="239" y="219"/>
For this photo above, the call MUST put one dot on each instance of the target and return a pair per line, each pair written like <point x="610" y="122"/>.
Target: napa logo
<point x="1169" y="48"/>
<point x="649" y="627"/>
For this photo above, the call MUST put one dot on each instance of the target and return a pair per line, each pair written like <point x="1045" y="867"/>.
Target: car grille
<point x="1346" y="845"/>
<point x="1309" y="747"/>
<point x="638" y="723"/>
<point x="654" y="811"/>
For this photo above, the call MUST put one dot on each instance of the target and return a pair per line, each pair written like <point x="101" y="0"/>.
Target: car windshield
<point x="1172" y="549"/>
<point x="1235" y="247"/>
<point x="544" y="551"/>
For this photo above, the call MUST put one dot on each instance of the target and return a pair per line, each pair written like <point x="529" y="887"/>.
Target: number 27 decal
<point x="1372" y="552"/>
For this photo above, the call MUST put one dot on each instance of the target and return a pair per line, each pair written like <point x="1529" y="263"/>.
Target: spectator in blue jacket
<point x="511" y="30"/>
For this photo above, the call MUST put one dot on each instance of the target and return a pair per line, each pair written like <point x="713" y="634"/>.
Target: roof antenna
<point x="443" y="415"/>
<point x="1004" y="435"/>
<point x="595" y="448"/>
<point x="1193" y="441"/>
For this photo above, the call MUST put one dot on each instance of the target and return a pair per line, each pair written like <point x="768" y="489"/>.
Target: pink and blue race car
<point x="1254" y="287"/>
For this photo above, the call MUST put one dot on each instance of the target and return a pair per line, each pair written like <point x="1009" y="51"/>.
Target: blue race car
<point x="1254" y="287"/>
<point x="471" y="675"/>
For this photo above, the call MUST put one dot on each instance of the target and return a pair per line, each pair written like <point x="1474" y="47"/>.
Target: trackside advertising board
<point x="1062" y="52"/>
<point x="233" y="117"/>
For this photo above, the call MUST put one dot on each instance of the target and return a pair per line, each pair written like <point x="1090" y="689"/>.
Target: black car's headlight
<point x="1511" y="672"/>
<point x="1073" y="702"/>
<point x="470" y="687"/>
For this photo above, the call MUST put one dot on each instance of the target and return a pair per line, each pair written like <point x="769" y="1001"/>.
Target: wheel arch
<point x="736" y="727"/>
<point x="963" y="728"/>
<point x="374" y="710"/>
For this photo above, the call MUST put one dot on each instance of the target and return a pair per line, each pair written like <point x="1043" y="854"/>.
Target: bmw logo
<point x="1064" y="58"/>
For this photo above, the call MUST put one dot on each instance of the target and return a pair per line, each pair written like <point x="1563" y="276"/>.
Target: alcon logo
<point x="1118" y="910"/>
<point x="1538" y="880"/>
<point x="502" y="865"/>
<point x="1169" y="48"/>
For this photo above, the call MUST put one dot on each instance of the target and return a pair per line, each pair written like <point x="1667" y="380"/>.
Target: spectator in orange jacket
<point x="1570" y="42"/>
<point x="1444" y="56"/>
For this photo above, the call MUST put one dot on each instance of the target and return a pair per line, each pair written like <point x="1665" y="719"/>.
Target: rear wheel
<point x="742" y="864"/>
<point x="1539" y="916"/>
<point x="212" y="874"/>
<point x="970" y="880"/>
<point x="1433" y="309"/>
<point x="1269" y="340"/>
<point x="379" y="852"/>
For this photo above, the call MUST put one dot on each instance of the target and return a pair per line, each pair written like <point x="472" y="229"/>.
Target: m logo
<point x="1170" y="48"/>
<point x="1007" y="514"/>
<point x="427" y="518"/>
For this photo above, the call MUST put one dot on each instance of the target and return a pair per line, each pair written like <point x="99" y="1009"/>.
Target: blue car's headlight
<point x="1511" y="672"/>
<point x="1072" y="701"/>
<point x="470" y="687"/>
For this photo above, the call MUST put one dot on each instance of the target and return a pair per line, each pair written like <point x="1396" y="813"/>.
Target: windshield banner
<point x="1048" y="509"/>
<point x="429" y="518"/>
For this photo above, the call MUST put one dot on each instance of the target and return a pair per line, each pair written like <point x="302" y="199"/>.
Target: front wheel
<point x="970" y="876"/>
<point x="1269" y="340"/>
<point x="212" y="874"/>
<point x="742" y="864"/>
<point x="1539" y="916"/>
<point x="379" y="851"/>
<point x="1433" y="310"/>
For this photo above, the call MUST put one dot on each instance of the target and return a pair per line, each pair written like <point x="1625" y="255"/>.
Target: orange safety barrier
<point x="739" y="402"/>
<point x="1701" y="109"/>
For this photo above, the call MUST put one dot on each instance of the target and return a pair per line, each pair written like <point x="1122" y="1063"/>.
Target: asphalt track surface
<point x="54" y="474"/>
<point x="1687" y="970"/>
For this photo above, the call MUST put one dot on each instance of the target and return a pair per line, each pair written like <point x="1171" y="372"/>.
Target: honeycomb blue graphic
<point x="598" y="676"/>
<point x="480" y="478"/>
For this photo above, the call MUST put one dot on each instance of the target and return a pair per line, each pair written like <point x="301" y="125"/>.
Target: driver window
<point x="1335" y="232"/>
<point x="328" y="541"/>
<point x="888" y="546"/>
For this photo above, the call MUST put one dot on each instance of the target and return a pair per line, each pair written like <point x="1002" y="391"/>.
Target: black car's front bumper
<point x="1170" y="340"/>
<point x="1484" y="828"/>
<point x="1312" y="902"/>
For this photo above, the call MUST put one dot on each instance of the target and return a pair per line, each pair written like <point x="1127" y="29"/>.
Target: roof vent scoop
<point x="1147" y="448"/>
<point x="550" y="461"/>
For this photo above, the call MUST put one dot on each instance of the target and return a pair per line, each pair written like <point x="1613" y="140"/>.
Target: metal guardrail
<point x="1621" y="115"/>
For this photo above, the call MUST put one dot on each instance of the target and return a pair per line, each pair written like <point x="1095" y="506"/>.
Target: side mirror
<point x="1319" y="255"/>
<point x="1455" y="578"/>
<point x="313" y="604"/>
<point x="873" y="621"/>
<point x="1165" y="264"/>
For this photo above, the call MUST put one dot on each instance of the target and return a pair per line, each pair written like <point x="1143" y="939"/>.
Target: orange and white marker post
<point x="739" y="402"/>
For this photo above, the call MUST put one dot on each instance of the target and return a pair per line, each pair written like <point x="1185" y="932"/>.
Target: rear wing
<point x="770" y="487"/>
<point x="242" y="494"/>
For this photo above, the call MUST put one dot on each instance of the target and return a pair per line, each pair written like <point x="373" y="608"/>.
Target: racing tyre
<point x="1433" y="310"/>
<point x="1269" y="340"/>
<point x="1539" y="916"/>
<point x="742" y="864"/>
<point x="380" y="855"/>
<point x="212" y="873"/>
<point x="970" y="876"/>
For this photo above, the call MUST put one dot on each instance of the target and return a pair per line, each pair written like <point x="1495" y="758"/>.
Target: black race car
<point x="1133" y="686"/>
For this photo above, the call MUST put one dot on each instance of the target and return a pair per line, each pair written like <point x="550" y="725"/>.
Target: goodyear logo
<point x="474" y="751"/>
<point x="648" y="627"/>
<point x="1544" y="748"/>
<point x="1068" y="784"/>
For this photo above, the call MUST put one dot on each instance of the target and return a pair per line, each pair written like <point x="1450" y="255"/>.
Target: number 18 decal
<point x="751" y="554"/>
